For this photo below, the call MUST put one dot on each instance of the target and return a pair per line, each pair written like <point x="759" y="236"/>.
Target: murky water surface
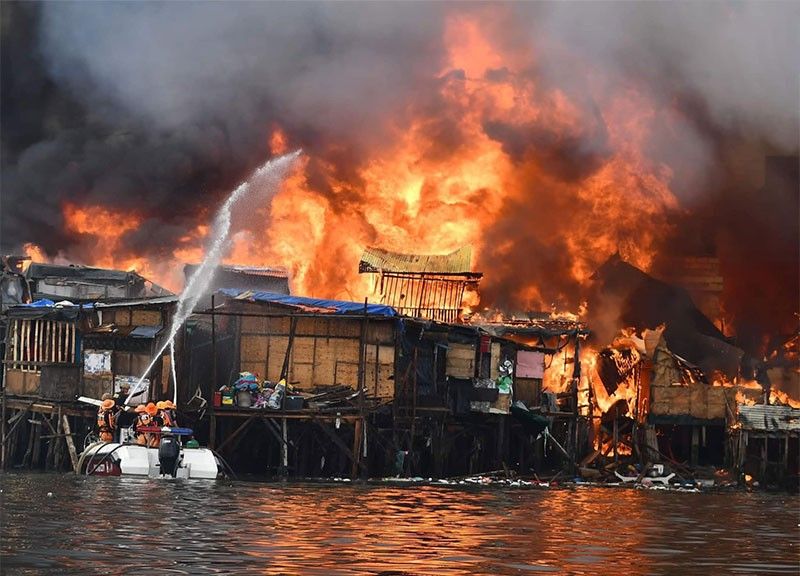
<point x="127" y="526"/>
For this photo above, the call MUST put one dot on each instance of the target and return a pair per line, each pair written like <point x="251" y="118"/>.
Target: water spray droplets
<point x="268" y="176"/>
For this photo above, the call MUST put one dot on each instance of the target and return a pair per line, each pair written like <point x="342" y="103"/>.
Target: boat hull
<point x="115" y="459"/>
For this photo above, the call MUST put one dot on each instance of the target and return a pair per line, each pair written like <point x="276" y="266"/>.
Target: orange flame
<point x="417" y="193"/>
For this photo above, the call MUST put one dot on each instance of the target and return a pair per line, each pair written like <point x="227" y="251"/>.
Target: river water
<point x="94" y="525"/>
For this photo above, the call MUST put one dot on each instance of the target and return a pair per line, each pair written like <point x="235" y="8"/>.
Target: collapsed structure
<point x="409" y="385"/>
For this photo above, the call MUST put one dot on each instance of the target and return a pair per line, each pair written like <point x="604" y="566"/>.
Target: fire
<point x="35" y="253"/>
<point x="441" y="182"/>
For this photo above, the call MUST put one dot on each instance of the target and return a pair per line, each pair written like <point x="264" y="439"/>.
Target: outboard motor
<point x="169" y="453"/>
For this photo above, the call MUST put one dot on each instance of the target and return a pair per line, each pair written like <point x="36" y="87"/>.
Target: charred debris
<point x="405" y="385"/>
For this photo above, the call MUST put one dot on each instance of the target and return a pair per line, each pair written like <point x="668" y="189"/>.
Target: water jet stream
<point x="268" y="175"/>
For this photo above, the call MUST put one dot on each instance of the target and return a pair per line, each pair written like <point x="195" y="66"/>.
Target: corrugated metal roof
<point x="136" y="302"/>
<point x="268" y="271"/>
<point x="376" y="260"/>
<point x="768" y="418"/>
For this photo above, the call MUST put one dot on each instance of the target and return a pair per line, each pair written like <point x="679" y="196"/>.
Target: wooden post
<point x="284" y="449"/>
<point x="36" y="435"/>
<point x="212" y="430"/>
<point x="695" y="445"/>
<point x="59" y="444"/>
<point x="356" y="447"/>
<point x="764" y="459"/>
<point x="785" y="468"/>
<point x="73" y="454"/>
<point x="616" y="437"/>
<point x="213" y="350"/>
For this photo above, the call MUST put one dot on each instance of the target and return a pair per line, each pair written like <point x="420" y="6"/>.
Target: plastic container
<point x="293" y="403"/>
<point x="244" y="399"/>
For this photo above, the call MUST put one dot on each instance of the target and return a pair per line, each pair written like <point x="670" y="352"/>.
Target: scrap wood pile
<point x="248" y="391"/>
<point x="337" y="398"/>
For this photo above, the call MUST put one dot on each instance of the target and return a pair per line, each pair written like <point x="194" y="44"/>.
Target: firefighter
<point x="142" y="419"/>
<point x="153" y="439"/>
<point x="107" y="419"/>
<point x="167" y="413"/>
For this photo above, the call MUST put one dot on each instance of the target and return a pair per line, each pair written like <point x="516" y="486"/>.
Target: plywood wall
<point x="699" y="401"/>
<point x="325" y="352"/>
<point x="460" y="360"/>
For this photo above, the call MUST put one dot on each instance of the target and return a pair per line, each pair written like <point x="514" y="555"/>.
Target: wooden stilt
<point x="284" y="448"/>
<point x="356" y="460"/>
<point x="212" y="431"/>
<point x="59" y="442"/>
<point x="695" y="456"/>
<point x="36" y="435"/>
<point x="73" y="454"/>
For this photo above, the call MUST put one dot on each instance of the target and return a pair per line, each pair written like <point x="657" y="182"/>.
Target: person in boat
<point x="167" y="413"/>
<point x="107" y="418"/>
<point x="153" y="440"/>
<point x="142" y="419"/>
<point x="126" y="417"/>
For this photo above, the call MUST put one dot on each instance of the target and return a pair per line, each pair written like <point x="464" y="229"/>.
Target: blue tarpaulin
<point x="311" y="304"/>
<point x="43" y="303"/>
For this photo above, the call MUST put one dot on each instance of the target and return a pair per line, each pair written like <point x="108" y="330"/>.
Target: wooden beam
<point x="336" y="440"/>
<point x="236" y="433"/>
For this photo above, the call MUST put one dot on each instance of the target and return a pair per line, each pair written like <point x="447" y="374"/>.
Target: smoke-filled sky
<point x="159" y="109"/>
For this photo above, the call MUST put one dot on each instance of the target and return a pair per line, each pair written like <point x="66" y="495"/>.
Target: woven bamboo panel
<point x="494" y="371"/>
<point x="254" y="324"/>
<point x="385" y="385"/>
<point x="254" y="367"/>
<point x="303" y="349"/>
<point x="347" y="374"/>
<point x="380" y="332"/>
<point x="325" y="362"/>
<point x="301" y="375"/>
<point x="716" y="403"/>
<point x="461" y="361"/>
<point x="253" y="348"/>
<point x="145" y="318"/>
<point x="277" y="353"/>
<point x="346" y="327"/>
<point x="381" y="354"/>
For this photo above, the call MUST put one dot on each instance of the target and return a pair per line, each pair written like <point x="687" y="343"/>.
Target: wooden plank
<point x="494" y="366"/>
<point x="242" y="427"/>
<point x="346" y="373"/>
<point x="37" y="341"/>
<point x="73" y="343"/>
<point x="145" y="318"/>
<point x="73" y="454"/>
<point x="254" y="348"/>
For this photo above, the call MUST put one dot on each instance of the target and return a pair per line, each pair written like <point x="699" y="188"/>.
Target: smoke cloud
<point x="159" y="109"/>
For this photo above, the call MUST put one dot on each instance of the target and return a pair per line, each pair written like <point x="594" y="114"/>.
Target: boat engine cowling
<point x="169" y="453"/>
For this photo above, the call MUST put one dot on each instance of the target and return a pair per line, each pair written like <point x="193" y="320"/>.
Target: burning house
<point x="25" y="281"/>
<point x="432" y="287"/>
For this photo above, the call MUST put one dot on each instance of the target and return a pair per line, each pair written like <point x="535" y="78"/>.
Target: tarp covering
<point x="314" y="305"/>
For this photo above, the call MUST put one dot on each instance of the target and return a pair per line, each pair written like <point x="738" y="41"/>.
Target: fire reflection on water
<point x="112" y="525"/>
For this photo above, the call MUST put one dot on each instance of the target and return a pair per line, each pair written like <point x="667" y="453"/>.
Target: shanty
<point x="285" y="385"/>
<point x="399" y="288"/>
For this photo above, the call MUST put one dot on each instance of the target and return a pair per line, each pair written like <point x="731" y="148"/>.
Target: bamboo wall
<point x="325" y="351"/>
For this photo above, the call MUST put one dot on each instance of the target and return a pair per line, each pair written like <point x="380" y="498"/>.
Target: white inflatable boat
<point x="170" y="459"/>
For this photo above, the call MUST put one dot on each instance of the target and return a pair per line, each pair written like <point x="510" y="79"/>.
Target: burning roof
<point x="456" y="262"/>
<point x="641" y="301"/>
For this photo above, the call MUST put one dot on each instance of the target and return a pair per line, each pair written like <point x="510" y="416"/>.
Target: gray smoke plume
<point x="161" y="107"/>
